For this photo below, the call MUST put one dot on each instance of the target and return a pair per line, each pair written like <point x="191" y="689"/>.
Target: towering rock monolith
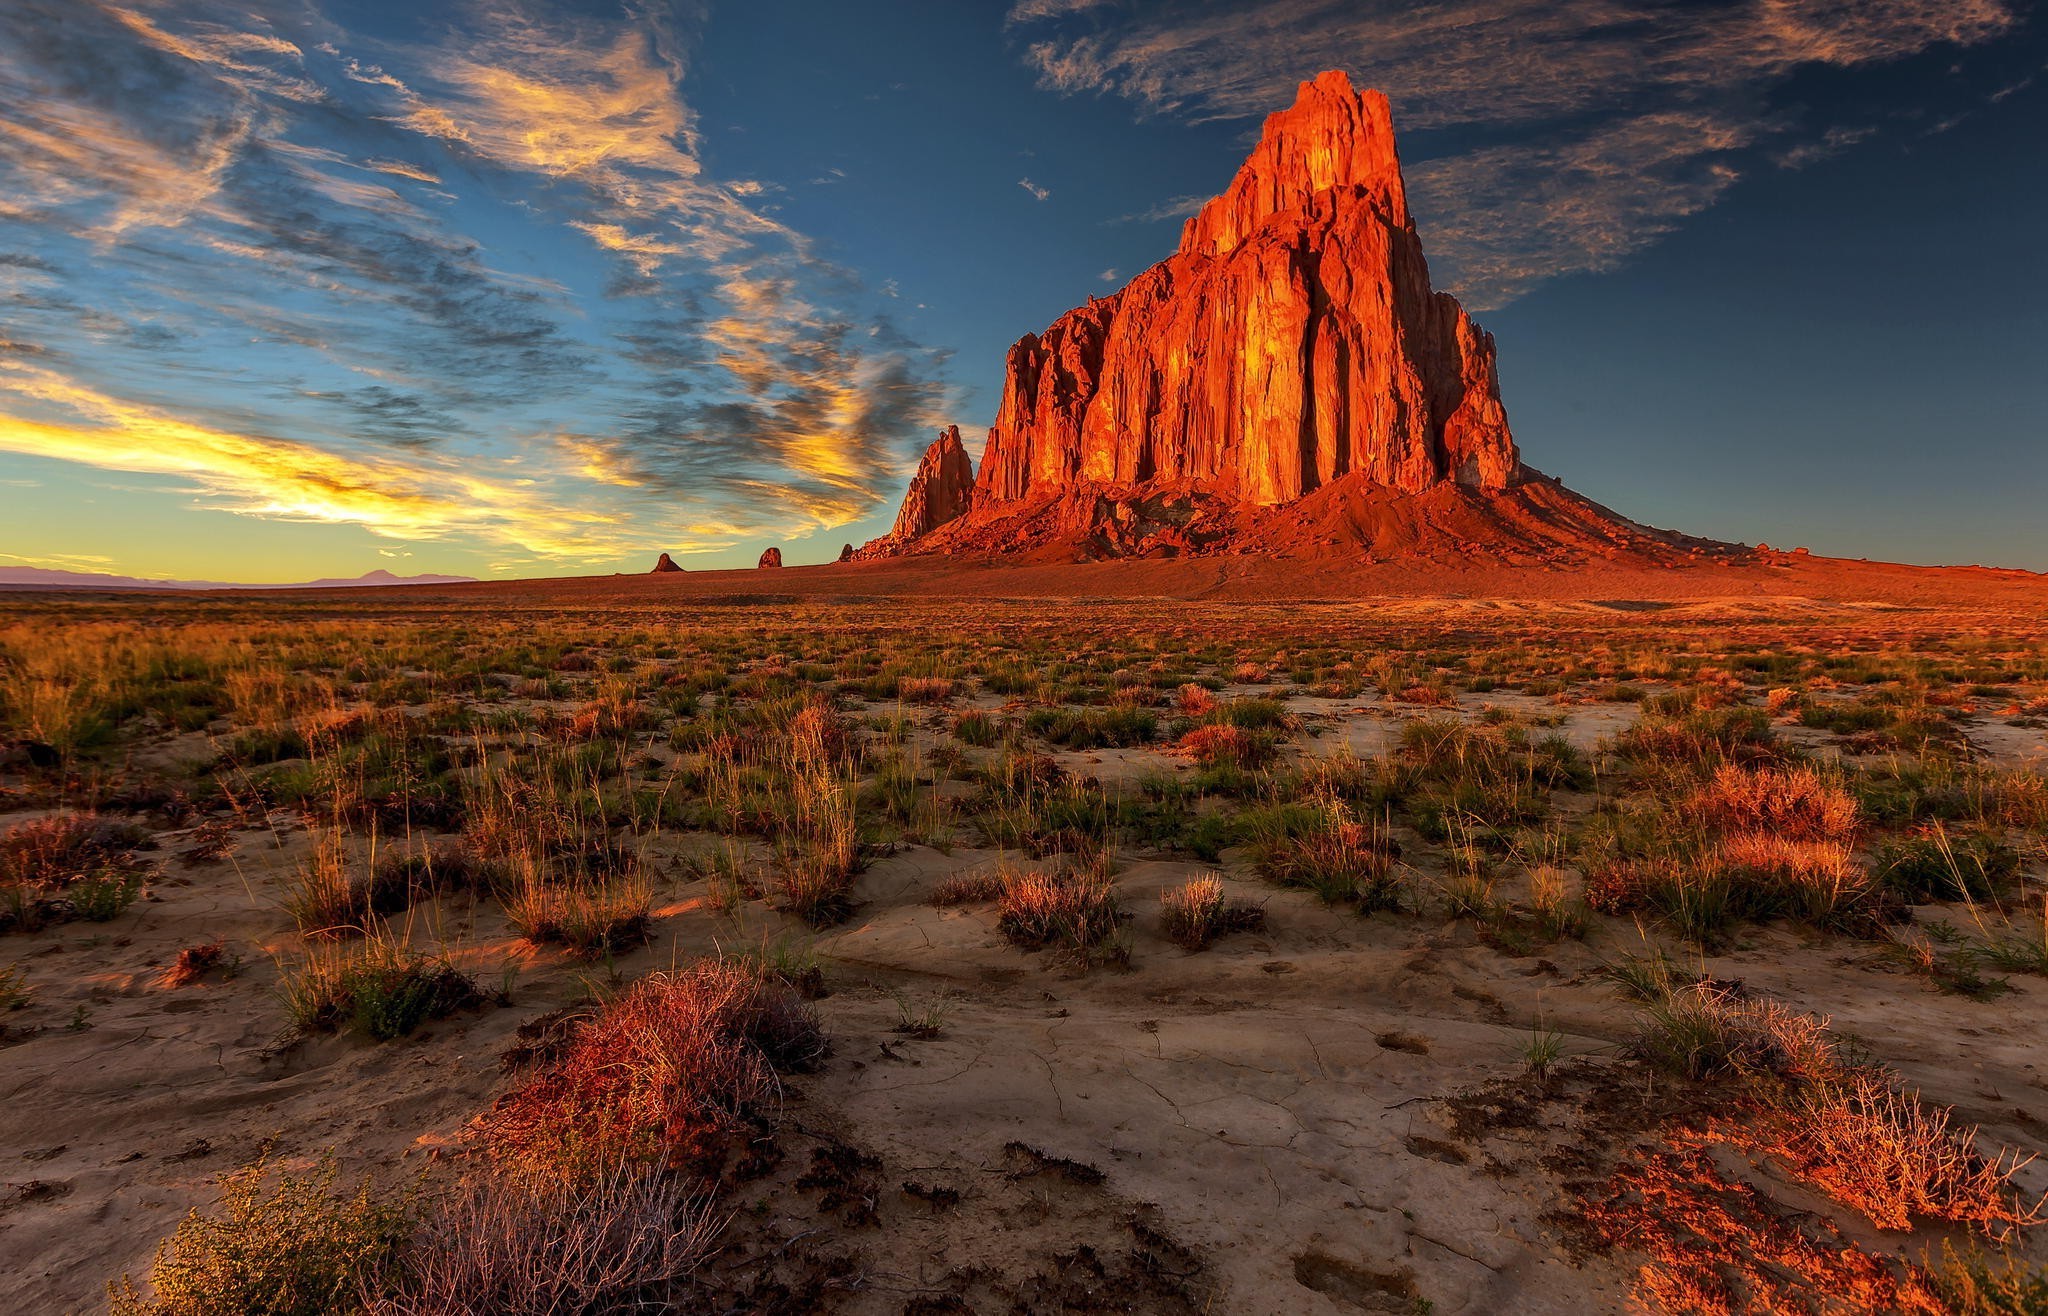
<point x="1287" y="381"/>
<point x="1293" y="338"/>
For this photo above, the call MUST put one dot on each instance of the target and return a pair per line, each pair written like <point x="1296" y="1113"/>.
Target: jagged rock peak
<point x="942" y="489"/>
<point x="1331" y="137"/>
<point x="770" y="558"/>
<point x="1293" y="340"/>
<point x="846" y="552"/>
<point x="666" y="564"/>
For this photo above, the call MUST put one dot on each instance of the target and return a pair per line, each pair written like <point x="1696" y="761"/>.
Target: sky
<point x="305" y="288"/>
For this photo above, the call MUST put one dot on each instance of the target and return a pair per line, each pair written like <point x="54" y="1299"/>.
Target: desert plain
<point x="943" y="940"/>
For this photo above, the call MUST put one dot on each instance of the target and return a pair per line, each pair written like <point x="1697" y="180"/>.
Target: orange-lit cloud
<point x="284" y="480"/>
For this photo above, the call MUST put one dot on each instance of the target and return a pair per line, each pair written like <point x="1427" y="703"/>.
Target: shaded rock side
<point x="940" y="491"/>
<point x="666" y="564"/>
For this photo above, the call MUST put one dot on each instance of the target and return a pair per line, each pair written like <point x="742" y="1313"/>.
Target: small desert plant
<point x="1092" y="728"/>
<point x="587" y="921"/>
<point x="1981" y="1283"/>
<point x="1937" y="866"/>
<point x="1793" y="804"/>
<point x="975" y="727"/>
<point x="1544" y="1047"/>
<point x="1338" y="859"/>
<point x="1872" y="1145"/>
<point x="56" y="851"/>
<point x="278" y="1244"/>
<point x="63" y="867"/>
<point x="818" y="737"/>
<point x="1706" y="1029"/>
<point x="101" y="899"/>
<point x="2023" y="950"/>
<point x="1703" y="738"/>
<point x="1556" y="915"/>
<point x="926" y="1021"/>
<point x="1195" y="913"/>
<point x="14" y="989"/>
<point x="323" y="897"/>
<point x="968" y="889"/>
<point x="1217" y="745"/>
<point x="378" y="987"/>
<point x="668" y="1073"/>
<point x="1074" y="910"/>
<point x="1749" y="877"/>
<point x="1646" y="977"/>
<point x="822" y="854"/>
<point x="628" y="1239"/>
<point x="786" y="959"/>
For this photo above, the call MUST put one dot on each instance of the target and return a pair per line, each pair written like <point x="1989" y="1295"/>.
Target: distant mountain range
<point x="47" y="578"/>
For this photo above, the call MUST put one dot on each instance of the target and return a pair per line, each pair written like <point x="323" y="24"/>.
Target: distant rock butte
<point x="1291" y="347"/>
<point x="771" y="558"/>
<point x="666" y="564"/>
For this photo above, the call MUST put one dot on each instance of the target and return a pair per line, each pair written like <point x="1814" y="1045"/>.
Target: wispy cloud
<point x="1037" y="193"/>
<point x="246" y="220"/>
<point x="44" y="414"/>
<point x="1176" y="207"/>
<point x="1592" y="127"/>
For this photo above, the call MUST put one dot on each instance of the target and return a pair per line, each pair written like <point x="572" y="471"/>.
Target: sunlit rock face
<point x="1292" y="340"/>
<point x="770" y="558"/>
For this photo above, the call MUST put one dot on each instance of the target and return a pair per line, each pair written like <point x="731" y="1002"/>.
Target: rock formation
<point x="942" y="489"/>
<point x="1291" y="345"/>
<point x="1292" y="339"/>
<point x="666" y="563"/>
<point x="846" y="552"/>
<point x="770" y="558"/>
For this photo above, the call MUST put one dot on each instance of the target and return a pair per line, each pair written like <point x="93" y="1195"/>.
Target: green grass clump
<point x="377" y="988"/>
<point x="1093" y="728"/>
<point x="976" y="728"/>
<point x="1325" y="851"/>
<point x="1937" y="866"/>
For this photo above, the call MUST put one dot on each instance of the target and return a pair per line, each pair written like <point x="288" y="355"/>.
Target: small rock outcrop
<point x="666" y="564"/>
<point x="846" y="552"/>
<point x="942" y="489"/>
<point x="771" y="558"/>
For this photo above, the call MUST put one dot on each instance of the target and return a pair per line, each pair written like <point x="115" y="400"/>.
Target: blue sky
<point x="294" y="289"/>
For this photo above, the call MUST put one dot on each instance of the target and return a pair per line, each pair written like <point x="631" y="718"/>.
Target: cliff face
<point x="1293" y="339"/>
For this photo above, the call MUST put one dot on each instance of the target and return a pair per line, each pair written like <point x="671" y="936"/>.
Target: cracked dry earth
<point x="1285" y="1123"/>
